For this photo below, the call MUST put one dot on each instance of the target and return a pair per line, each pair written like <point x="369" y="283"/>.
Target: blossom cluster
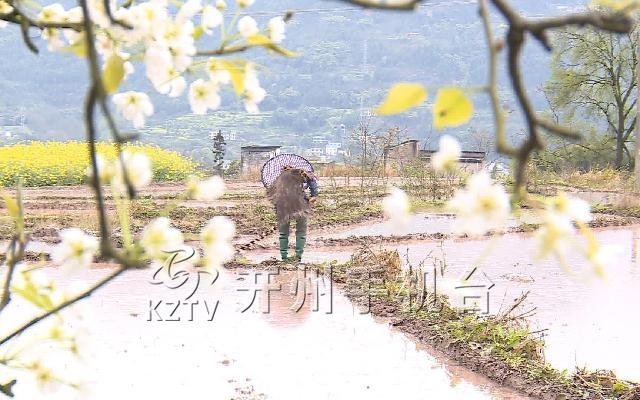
<point x="484" y="205"/>
<point x="164" y="37"/>
<point x="76" y="250"/>
<point x="158" y="239"/>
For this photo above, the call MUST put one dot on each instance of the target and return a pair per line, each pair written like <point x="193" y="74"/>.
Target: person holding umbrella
<point x="287" y="177"/>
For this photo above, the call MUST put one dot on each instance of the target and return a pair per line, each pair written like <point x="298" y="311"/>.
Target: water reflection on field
<point x="590" y="321"/>
<point x="284" y="354"/>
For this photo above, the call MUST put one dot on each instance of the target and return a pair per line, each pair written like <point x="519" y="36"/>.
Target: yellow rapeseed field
<point x="65" y="163"/>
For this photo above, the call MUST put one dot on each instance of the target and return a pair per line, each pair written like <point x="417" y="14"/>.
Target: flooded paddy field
<point x="255" y="354"/>
<point x="584" y="321"/>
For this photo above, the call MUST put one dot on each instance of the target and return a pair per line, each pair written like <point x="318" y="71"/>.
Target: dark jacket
<point x="311" y="183"/>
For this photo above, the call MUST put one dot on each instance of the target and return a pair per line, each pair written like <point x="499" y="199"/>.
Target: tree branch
<point x="224" y="50"/>
<point x="65" y="304"/>
<point x="408" y="6"/>
<point x="519" y="27"/>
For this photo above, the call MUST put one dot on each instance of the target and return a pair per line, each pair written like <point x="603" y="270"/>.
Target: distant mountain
<point x="349" y="58"/>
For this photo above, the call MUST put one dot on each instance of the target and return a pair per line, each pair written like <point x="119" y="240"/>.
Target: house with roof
<point x="253" y="157"/>
<point x="398" y="155"/>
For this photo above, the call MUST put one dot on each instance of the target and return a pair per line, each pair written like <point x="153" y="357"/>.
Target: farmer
<point x="288" y="195"/>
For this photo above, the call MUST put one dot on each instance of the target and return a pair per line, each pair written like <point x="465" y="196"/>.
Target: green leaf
<point x="31" y="293"/>
<point x="79" y="47"/>
<point x="197" y="33"/>
<point x="12" y="206"/>
<point x="264" y="41"/>
<point x="113" y="73"/>
<point x="259" y="40"/>
<point x="237" y="76"/>
<point x="401" y="97"/>
<point x="452" y="108"/>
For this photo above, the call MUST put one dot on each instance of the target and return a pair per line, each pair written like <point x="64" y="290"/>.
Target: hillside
<point x="356" y="58"/>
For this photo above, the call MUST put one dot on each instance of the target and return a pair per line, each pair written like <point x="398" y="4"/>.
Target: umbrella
<point x="272" y="168"/>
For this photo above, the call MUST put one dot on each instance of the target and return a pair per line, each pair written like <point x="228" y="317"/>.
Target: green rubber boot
<point x="301" y="236"/>
<point x="284" y="241"/>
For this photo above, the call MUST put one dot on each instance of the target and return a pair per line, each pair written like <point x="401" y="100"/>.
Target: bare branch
<point x="492" y="87"/>
<point x="107" y="10"/>
<point x="557" y="129"/>
<point x="224" y="50"/>
<point x="24" y="29"/>
<point x="518" y="28"/>
<point x="408" y="6"/>
<point x="65" y="304"/>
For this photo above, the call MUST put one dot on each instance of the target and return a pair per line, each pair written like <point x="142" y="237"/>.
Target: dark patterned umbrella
<point x="272" y="168"/>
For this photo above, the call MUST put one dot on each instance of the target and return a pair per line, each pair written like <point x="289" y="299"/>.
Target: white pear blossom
<point x="73" y="15"/>
<point x="53" y="38"/>
<point x="157" y="57"/>
<point x="178" y="39"/>
<point x="46" y="379"/>
<point x="604" y="257"/>
<point x="448" y="154"/>
<point x="174" y="85"/>
<point x="183" y="56"/>
<point x="106" y="169"/>
<point x="218" y="229"/>
<point x="481" y="206"/>
<point x="254" y="94"/>
<point x="247" y="26"/>
<point x="161" y="72"/>
<point x="217" y="73"/>
<point x="5" y="9"/>
<point x="396" y="207"/>
<point x="251" y="76"/>
<point x="573" y="208"/>
<point x="252" y="97"/>
<point x="554" y="235"/>
<point x="159" y="239"/>
<point x="276" y="28"/>
<point x="128" y="65"/>
<point x="211" y="18"/>
<point x="104" y="45"/>
<point x="188" y="10"/>
<point x="138" y="170"/>
<point x="134" y="106"/>
<point x="208" y="189"/>
<point x="52" y="13"/>
<point x="245" y="3"/>
<point x="176" y="34"/>
<point x="203" y="95"/>
<point x="148" y="17"/>
<point x="75" y="250"/>
<point x="216" y="239"/>
<point x="98" y="13"/>
<point x="215" y="256"/>
<point x="557" y="232"/>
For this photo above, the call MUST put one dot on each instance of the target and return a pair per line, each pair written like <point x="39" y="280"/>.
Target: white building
<point x="230" y="136"/>
<point x="319" y="140"/>
<point x="331" y="149"/>
<point x="314" y="152"/>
